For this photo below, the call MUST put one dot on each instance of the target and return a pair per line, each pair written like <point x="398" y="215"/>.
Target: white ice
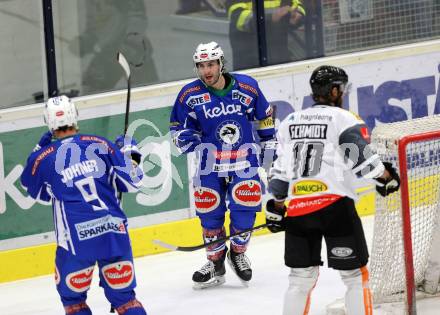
<point x="165" y="287"/>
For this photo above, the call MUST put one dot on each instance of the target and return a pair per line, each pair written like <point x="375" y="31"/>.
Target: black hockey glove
<point x="390" y="185"/>
<point x="275" y="216"/>
<point x="128" y="146"/>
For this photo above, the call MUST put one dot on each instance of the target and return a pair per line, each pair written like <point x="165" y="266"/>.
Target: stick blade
<point x="164" y="245"/>
<point x="179" y="248"/>
<point x="124" y="63"/>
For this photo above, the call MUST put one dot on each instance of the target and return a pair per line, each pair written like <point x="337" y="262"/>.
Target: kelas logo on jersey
<point x="118" y="275"/>
<point x="307" y="187"/>
<point x="223" y="110"/>
<point x="80" y="281"/>
<point x="241" y="97"/>
<point x="198" y="99"/>
<point x="308" y="131"/>
<point x="206" y="199"/>
<point x="247" y="193"/>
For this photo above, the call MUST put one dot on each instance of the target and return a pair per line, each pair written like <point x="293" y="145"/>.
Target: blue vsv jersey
<point x="225" y="119"/>
<point x="81" y="176"/>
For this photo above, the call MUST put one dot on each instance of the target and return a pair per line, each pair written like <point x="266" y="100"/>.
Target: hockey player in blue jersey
<point x="214" y="116"/>
<point x="81" y="175"/>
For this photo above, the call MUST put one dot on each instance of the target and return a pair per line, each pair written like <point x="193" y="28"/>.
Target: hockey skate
<point x="241" y="266"/>
<point x="210" y="275"/>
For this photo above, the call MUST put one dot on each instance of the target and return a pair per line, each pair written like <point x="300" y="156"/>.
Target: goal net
<point x="405" y="221"/>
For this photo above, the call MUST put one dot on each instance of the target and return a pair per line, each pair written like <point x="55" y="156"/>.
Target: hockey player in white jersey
<point x="321" y="152"/>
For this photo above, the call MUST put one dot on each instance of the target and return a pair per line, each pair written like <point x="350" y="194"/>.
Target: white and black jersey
<point x="321" y="152"/>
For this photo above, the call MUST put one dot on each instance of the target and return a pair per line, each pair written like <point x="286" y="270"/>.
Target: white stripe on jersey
<point x="60" y="230"/>
<point x="66" y="225"/>
<point x="377" y="171"/>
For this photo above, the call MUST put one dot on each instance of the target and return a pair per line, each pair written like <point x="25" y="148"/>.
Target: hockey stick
<point x="124" y="64"/>
<point x="197" y="247"/>
<point x="223" y="239"/>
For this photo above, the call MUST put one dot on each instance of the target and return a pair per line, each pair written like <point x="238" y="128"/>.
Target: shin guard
<point x="358" y="296"/>
<point x="133" y="307"/>
<point x="240" y="242"/>
<point x="214" y="252"/>
<point x="78" y="309"/>
<point x="298" y="295"/>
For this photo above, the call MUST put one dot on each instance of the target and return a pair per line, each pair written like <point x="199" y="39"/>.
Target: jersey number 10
<point x="307" y="158"/>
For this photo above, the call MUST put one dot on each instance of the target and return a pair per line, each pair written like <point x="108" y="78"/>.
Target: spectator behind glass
<point x="243" y="36"/>
<point x="111" y="26"/>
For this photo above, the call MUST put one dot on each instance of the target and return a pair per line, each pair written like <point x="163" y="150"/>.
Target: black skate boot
<point x="210" y="275"/>
<point x="241" y="266"/>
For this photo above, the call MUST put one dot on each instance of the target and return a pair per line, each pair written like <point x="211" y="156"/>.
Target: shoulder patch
<point x="98" y="140"/>
<point x="187" y="91"/>
<point x="41" y="157"/>
<point x="248" y="88"/>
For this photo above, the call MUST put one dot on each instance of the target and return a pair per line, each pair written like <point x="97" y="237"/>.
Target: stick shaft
<point x="200" y="246"/>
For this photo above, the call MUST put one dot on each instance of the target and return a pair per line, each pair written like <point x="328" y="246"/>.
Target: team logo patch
<point x="57" y="276"/>
<point x="247" y="193"/>
<point x="341" y="251"/>
<point x="118" y="275"/>
<point x="307" y="187"/>
<point x="206" y="199"/>
<point x="241" y="97"/>
<point x="80" y="281"/>
<point x="229" y="133"/>
<point x="198" y="99"/>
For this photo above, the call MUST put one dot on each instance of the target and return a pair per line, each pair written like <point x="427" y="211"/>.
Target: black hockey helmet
<point x="324" y="78"/>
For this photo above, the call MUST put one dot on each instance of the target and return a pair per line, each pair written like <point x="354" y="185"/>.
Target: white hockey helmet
<point x="60" y="111"/>
<point x="208" y="52"/>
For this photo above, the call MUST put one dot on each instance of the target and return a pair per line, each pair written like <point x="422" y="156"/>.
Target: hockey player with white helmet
<point x="80" y="174"/>
<point x="214" y="116"/>
<point x="322" y="151"/>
